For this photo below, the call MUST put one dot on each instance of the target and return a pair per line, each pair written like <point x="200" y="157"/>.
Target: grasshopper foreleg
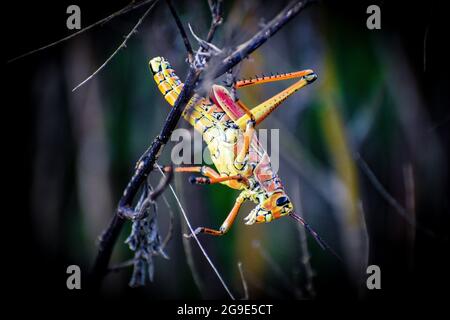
<point x="226" y="225"/>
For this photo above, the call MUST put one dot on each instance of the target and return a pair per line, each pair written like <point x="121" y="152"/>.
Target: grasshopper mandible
<point x="245" y="166"/>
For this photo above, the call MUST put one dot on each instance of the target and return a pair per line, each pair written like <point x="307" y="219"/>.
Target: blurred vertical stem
<point x="351" y="219"/>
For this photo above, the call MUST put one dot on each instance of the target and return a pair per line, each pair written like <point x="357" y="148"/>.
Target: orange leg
<point x="261" y="111"/>
<point x="211" y="176"/>
<point x="206" y="180"/>
<point x="226" y="225"/>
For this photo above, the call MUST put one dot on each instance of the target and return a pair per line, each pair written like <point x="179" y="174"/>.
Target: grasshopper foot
<point x="196" y="232"/>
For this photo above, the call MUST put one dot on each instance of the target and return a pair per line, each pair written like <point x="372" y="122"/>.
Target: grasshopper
<point x="245" y="166"/>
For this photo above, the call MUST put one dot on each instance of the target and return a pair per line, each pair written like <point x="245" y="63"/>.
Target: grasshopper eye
<point x="282" y="201"/>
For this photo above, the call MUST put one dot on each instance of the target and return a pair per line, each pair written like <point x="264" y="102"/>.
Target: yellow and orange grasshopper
<point x="243" y="166"/>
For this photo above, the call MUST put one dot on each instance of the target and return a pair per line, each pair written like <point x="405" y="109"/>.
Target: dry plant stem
<point x="121" y="266"/>
<point x="155" y="194"/>
<point x="122" y="45"/>
<point x="147" y="162"/>
<point x="163" y="183"/>
<point x="183" y="34"/>
<point x="120" y="12"/>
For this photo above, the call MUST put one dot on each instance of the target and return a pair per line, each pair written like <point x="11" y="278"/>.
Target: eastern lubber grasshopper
<point x="243" y="166"/>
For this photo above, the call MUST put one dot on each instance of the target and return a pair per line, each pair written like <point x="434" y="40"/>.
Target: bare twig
<point x="244" y="282"/>
<point x="216" y="14"/>
<point x="122" y="265"/>
<point x="147" y="161"/>
<point x="183" y="34"/>
<point x="122" y="45"/>
<point x="131" y="6"/>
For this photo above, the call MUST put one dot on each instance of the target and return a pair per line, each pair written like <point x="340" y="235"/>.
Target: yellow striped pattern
<point x="168" y="82"/>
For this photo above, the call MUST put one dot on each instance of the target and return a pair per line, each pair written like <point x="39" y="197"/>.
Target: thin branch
<point x="425" y="38"/>
<point x="390" y="199"/>
<point x="380" y="188"/>
<point x="122" y="45"/>
<point x="148" y="160"/>
<point x="131" y="6"/>
<point x="183" y="34"/>
<point x="244" y="282"/>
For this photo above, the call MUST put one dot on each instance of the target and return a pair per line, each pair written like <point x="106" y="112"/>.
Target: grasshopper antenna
<point x="316" y="236"/>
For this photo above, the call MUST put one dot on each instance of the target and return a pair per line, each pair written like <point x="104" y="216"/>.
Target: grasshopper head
<point x="273" y="207"/>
